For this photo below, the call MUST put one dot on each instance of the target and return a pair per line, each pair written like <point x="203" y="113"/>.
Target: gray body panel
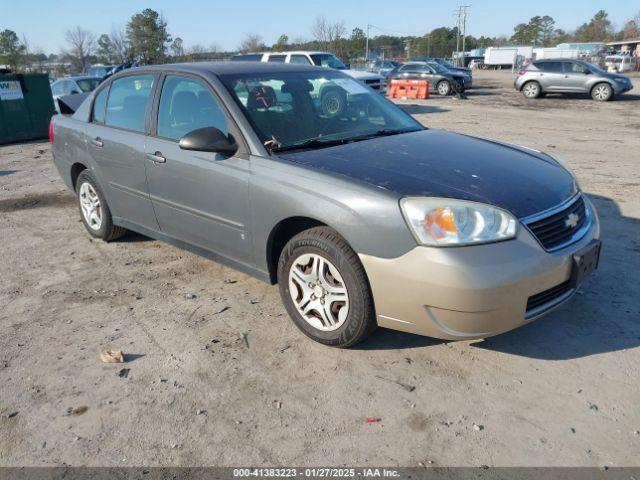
<point x="570" y="81"/>
<point x="228" y="208"/>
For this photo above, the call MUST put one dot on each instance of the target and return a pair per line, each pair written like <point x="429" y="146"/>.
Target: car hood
<point x="359" y="75"/>
<point x="445" y="164"/>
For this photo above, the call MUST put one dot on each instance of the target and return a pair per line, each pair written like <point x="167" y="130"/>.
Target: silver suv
<point x="569" y="76"/>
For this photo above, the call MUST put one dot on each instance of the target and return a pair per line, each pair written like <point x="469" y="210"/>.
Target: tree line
<point x="145" y="39"/>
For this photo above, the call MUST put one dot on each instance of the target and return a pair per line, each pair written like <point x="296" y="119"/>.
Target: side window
<point x="100" y="105"/>
<point x="552" y="67"/>
<point x="186" y="105"/>
<point x="277" y="58"/>
<point x="127" y="104"/>
<point x="57" y="88"/>
<point x="300" y="60"/>
<point x="570" y="67"/>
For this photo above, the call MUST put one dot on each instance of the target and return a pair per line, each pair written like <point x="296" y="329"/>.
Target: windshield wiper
<point x="318" y="143"/>
<point x="311" y="143"/>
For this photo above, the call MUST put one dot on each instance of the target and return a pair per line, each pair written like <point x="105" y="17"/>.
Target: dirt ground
<point x="560" y="391"/>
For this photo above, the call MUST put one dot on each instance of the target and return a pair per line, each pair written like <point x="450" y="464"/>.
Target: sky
<point x="225" y="23"/>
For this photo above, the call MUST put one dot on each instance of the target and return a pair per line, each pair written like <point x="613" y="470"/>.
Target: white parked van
<point x="619" y="63"/>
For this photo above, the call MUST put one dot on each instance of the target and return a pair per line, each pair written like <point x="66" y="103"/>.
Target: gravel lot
<point x="561" y="391"/>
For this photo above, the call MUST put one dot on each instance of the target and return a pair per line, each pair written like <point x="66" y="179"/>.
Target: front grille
<point x="560" y="227"/>
<point x="548" y="296"/>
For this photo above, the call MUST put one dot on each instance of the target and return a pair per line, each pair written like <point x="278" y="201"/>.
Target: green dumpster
<point x="26" y="107"/>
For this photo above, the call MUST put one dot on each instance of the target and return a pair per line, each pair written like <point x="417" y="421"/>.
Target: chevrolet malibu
<point x="363" y="218"/>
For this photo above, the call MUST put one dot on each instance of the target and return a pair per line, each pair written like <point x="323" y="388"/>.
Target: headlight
<point x="442" y="222"/>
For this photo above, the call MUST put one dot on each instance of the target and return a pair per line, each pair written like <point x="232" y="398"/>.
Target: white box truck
<point x="500" y="57"/>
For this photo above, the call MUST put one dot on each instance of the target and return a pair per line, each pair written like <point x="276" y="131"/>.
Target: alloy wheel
<point x="601" y="92"/>
<point x="531" y="90"/>
<point x="90" y="206"/>
<point x="318" y="292"/>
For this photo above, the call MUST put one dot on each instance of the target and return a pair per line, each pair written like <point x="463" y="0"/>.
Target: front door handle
<point x="156" y="157"/>
<point x="97" y="142"/>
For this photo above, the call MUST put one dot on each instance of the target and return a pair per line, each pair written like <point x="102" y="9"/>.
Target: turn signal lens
<point x="450" y="222"/>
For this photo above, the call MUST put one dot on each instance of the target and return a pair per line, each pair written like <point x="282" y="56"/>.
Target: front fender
<point x="368" y="218"/>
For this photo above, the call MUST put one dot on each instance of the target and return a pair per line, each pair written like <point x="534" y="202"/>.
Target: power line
<point x="461" y="24"/>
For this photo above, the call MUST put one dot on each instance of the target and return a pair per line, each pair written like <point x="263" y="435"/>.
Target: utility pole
<point x="461" y="23"/>
<point x="366" y="55"/>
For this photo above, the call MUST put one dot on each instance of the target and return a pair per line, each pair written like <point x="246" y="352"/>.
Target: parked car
<point x="383" y="67"/>
<point x="569" y="76"/>
<point x="440" y="79"/>
<point x="443" y="63"/>
<point x="99" y="70"/>
<point x="71" y="86"/>
<point x="320" y="59"/>
<point x="362" y="220"/>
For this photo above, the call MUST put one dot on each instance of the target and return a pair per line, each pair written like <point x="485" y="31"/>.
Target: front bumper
<point x="619" y="88"/>
<point x="470" y="292"/>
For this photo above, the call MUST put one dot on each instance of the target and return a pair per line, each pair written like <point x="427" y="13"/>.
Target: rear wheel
<point x="531" y="90"/>
<point x="602" y="92"/>
<point x="325" y="289"/>
<point x="443" y="87"/>
<point x="94" y="210"/>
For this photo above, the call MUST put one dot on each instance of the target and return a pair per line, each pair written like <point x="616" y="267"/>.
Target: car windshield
<point x="438" y="68"/>
<point x="88" y="84"/>
<point x="593" y="68"/>
<point x="444" y="63"/>
<point x="327" y="60"/>
<point x="301" y="110"/>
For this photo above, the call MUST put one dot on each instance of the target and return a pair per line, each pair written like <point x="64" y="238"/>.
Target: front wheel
<point x="94" y="210"/>
<point x="325" y="289"/>
<point x="332" y="103"/>
<point x="443" y="88"/>
<point x="602" y="92"/>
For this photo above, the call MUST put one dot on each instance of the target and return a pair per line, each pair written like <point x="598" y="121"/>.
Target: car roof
<point x="78" y="77"/>
<point x="543" y="60"/>
<point x="224" y="68"/>
<point x="293" y="52"/>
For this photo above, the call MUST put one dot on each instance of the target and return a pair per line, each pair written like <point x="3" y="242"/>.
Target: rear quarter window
<point x="100" y="105"/>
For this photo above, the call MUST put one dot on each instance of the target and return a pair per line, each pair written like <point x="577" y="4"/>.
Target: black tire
<point x="443" y="88"/>
<point x="602" y="92"/>
<point x="326" y="242"/>
<point x="531" y="89"/>
<point x="107" y="231"/>
<point x="332" y="103"/>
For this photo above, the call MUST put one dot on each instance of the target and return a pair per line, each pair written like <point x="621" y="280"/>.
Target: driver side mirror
<point x="209" y="139"/>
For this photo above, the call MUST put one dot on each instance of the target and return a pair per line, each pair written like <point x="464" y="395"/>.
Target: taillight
<point x="51" y="132"/>
<point x="522" y="71"/>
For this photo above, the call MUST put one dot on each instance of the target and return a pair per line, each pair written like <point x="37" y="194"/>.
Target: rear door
<point x="199" y="197"/>
<point x="551" y="76"/>
<point x="116" y="139"/>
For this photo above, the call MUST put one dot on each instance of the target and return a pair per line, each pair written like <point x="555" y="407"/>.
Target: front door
<point x="575" y="78"/>
<point x="116" y="142"/>
<point x="199" y="197"/>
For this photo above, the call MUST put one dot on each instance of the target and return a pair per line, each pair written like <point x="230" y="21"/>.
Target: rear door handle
<point x="156" y="157"/>
<point x="97" y="142"/>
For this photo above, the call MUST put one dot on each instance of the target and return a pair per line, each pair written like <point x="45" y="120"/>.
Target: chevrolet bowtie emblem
<point x="571" y="221"/>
